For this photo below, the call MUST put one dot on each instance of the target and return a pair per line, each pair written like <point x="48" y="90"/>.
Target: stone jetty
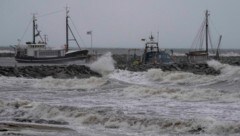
<point x="82" y="71"/>
<point x="62" y="71"/>
<point x="200" y="69"/>
<point x="180" y="65"/>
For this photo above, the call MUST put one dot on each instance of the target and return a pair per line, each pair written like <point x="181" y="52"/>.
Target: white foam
<point x="53" y="83"/>
<point x="186" y="94"/>
<point x="144" y="91"/>
<point x="178" y="78"/>
<point x="88" y="83"/>
<point x="104" y="65"/>
<point x="129" y="77"/>
<point x="159" y="75"/>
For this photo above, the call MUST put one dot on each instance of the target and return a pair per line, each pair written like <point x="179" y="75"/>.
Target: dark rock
<point x="42" y="71"/>
<point x="200" y="69"/>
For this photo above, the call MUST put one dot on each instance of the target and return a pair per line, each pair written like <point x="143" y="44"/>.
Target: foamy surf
<point x="158" y="77"/>
<point x="52" y="83"/>
<point x="110" y="118"/>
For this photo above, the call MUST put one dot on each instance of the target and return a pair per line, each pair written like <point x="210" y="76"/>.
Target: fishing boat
<point x="153" y="55"/>
<point x="201" y="54"/>
<point x="38" y="52"/>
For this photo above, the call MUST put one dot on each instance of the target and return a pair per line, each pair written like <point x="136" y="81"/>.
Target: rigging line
<point x="214" y="27"/>
<point x="54" y="12"/>
<point x="74" y="37"/>
<point x="77" y="32"/>
<point x="201" y="37"/>
<point x="198" y="36"/>
<point x="195" y="41"/>
<point x="210" y="40"/>
<point x="26" y="29"/>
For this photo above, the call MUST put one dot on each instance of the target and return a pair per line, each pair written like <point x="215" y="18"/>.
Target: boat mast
<point x="34" y="28"/>
<point x="207" y="31"/>
<point x="218" y="47"/>
<point x="67" y="11"/>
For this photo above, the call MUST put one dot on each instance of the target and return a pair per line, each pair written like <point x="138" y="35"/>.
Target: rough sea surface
<point x="122" y="103"/>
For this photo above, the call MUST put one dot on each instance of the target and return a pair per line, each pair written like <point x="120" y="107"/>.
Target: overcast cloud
<point x="122" y="23"/>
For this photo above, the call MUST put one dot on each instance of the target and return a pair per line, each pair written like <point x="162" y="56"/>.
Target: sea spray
<point x="103" y="65"/>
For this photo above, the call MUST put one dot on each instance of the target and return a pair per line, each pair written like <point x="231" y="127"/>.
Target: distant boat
<point x="201" y="55"/>
<point x="153" y="55"/>
<point x="38" y="52"/>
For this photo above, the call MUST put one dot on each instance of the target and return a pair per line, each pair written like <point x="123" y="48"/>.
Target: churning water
<point x="123" y="103"/>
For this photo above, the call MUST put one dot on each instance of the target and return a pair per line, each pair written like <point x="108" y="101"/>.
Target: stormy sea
<point x="122" y="102"/>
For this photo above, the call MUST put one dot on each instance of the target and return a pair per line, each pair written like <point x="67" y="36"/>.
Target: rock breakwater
<point x="201" y="69"/>
<point x="63" y="71"/>
<point x="180" y="65"/>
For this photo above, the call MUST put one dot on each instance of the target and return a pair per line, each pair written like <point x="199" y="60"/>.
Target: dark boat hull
<point x="73" y="56"/>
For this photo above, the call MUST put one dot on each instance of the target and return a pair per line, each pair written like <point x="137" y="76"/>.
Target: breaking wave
<point x="226" y="69"/>
<point x="110" y="118"/>
<point x="230" y="75"/>
<point x="158" y="77"/>
<point x="104" y="64"/>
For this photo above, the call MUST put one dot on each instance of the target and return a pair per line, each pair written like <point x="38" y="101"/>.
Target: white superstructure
<point x="40" y="51"/>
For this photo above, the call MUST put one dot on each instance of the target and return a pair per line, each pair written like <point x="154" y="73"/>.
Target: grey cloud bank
<point x="122" y="23"/>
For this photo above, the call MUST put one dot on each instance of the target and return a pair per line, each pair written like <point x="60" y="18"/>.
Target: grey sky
<point x="122" y="23"/>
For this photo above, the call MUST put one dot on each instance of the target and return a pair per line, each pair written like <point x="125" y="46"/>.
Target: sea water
<point x="123" y="103"/>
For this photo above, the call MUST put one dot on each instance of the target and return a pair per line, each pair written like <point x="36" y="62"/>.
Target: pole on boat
<point x="67" y="42"/>
<point x="218" y="47"/>
<point x="34" y="27"/>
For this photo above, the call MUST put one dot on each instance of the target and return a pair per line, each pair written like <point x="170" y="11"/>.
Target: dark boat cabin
<point x="152" y="54"/>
